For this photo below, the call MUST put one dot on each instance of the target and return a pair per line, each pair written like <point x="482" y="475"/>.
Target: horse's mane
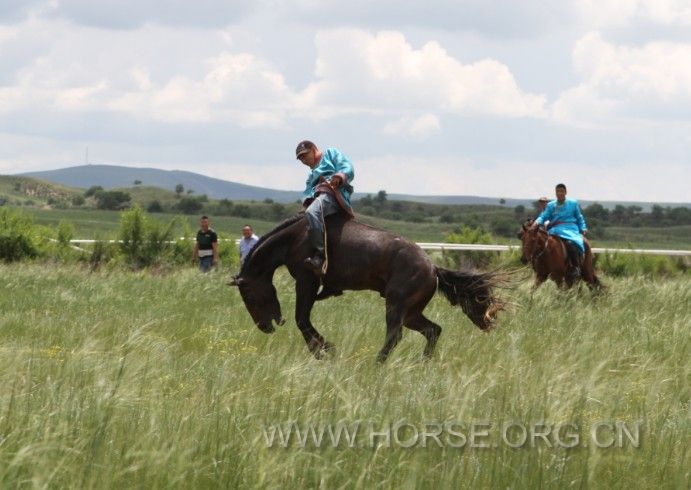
<point x="285" y="224"/>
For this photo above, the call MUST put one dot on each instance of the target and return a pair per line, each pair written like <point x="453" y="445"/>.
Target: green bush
<point x="228" y="253"/>
<point x="467" y="234"/>
<point x="623" y="264"/>
<point x="62" y="248"/>
<point x="19" y="238"/>
<point x="183" y="246"/>
<point x="102" y="253"/>
<point x="145" y="241"/>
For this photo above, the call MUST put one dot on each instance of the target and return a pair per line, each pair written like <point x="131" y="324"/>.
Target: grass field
<point x="150" y="380"/>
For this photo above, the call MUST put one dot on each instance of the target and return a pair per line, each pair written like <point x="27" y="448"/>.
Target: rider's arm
<point x="545" y="215"/>
<point x="582" y="227"/>
<point x="342" y="166"/>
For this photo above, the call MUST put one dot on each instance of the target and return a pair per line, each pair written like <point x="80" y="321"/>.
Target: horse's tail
<point x="473" y="291"/>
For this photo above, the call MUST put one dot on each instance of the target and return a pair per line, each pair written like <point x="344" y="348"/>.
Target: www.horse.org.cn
<point x="450" y="434"/>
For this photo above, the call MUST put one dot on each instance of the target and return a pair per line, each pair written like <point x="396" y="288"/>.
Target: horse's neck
<point x="542" y="244"/>
<point x="271" y="253"/>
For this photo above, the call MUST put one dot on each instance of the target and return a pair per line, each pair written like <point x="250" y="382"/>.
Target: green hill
<point x="114" y="176"/>
<point x="22" y="191"/>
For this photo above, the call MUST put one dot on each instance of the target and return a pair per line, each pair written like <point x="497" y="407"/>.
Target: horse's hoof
<point x="320" y="349"/>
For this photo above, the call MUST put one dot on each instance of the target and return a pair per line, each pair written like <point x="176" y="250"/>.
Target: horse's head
<point x="259" y="296"/>
<point x="531" y="241"/>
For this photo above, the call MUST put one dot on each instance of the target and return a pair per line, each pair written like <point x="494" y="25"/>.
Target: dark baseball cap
<point x="304" y="147"/>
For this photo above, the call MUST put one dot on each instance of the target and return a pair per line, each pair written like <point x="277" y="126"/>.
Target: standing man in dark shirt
<point x="206" y="246"/>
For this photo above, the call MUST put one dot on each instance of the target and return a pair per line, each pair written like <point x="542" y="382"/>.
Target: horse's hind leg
<point x="394" y="322"/>
<point x="418" y="322"/>
<point x="589" y="271"/>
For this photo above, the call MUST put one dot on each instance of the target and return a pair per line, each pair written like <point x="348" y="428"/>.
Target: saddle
<point x="323" y="187"/>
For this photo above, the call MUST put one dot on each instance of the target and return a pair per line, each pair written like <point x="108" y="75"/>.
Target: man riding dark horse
<point x="567" y="222"/>
<point x="327" y="191"/>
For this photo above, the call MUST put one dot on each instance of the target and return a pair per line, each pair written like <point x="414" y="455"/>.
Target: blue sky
<point x="501" y="98"/>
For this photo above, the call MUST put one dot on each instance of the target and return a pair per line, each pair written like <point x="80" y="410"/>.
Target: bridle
<point x="536" y="256"/>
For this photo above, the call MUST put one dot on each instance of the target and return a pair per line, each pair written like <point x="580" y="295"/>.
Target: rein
<point x="534" y="258"/>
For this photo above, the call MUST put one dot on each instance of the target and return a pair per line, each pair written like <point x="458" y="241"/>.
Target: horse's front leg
<point x="305" y="296"/>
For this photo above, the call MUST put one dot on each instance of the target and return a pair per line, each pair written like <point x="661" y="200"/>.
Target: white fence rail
<point x="488" y="248"/>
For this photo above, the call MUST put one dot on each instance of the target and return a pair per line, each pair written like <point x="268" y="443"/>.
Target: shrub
<point x="112" y="200"/>
<point x="228" y="253"/>
<point x="622" y="264"/>
<point x="189" y="205"/>
<point x="144" y="241"/>
<point x="19" y="239"/>
<point x="155" y="207"/>
<point x="466" y="234"/>
<point x="103" y="252"/>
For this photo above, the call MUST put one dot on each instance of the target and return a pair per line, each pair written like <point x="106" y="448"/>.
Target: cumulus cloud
<point x="621" y="13"/>
<point x="356" y="72"/>
<point x="383" y="73"/>
<point x="131" y="14"/>
<point x="419" y="127"/>
<point x="16" y="10"/>
<point x="497" y="19"/>
<point x="621" y="82"/>
<point x="236" y="87"/>
<point x="189" y="85"/>
<point x="204" y="82"/>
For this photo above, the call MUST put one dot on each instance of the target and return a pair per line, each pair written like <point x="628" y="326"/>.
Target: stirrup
<point x="316" y="264"/>
<point x="573" y="273"/>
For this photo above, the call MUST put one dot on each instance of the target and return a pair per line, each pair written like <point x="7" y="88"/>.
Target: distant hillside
<point x="16" y="190"/>
<point x="114" y="176"/>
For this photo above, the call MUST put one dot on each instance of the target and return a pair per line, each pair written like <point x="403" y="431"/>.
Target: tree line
<point x="499" y="220"/>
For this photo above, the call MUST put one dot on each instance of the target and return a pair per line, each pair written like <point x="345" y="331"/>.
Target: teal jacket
<point x="565" y="220"/>
<point x="332" y="162"/>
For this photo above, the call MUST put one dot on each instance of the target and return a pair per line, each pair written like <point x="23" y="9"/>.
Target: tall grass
<point x="128" y="379"/>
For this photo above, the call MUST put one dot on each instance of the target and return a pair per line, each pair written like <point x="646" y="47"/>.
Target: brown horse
<point x="547" y="255"/>
<point x="361" y="257"/>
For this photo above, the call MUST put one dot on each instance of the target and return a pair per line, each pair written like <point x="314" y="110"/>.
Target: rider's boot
<point x="316" y="263"/>
<point x="574" y="271"/>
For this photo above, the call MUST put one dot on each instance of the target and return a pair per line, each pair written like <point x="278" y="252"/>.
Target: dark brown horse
<point x="361" y="257"/>
<point x="548" y="257"/>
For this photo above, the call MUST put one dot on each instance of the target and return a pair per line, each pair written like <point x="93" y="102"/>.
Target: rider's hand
<point x="335" y="182"/>
<point x="584" y="232"/>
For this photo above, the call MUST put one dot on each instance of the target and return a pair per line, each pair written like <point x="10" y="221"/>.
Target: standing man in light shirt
<point x="248" y="240"/>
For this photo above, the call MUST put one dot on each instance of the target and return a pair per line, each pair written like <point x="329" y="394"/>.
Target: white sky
<point x="502" y="98"/>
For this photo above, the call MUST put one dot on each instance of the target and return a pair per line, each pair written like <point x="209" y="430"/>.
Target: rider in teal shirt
<point x="327" y="191"/>
<point x="566" y="221"/>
